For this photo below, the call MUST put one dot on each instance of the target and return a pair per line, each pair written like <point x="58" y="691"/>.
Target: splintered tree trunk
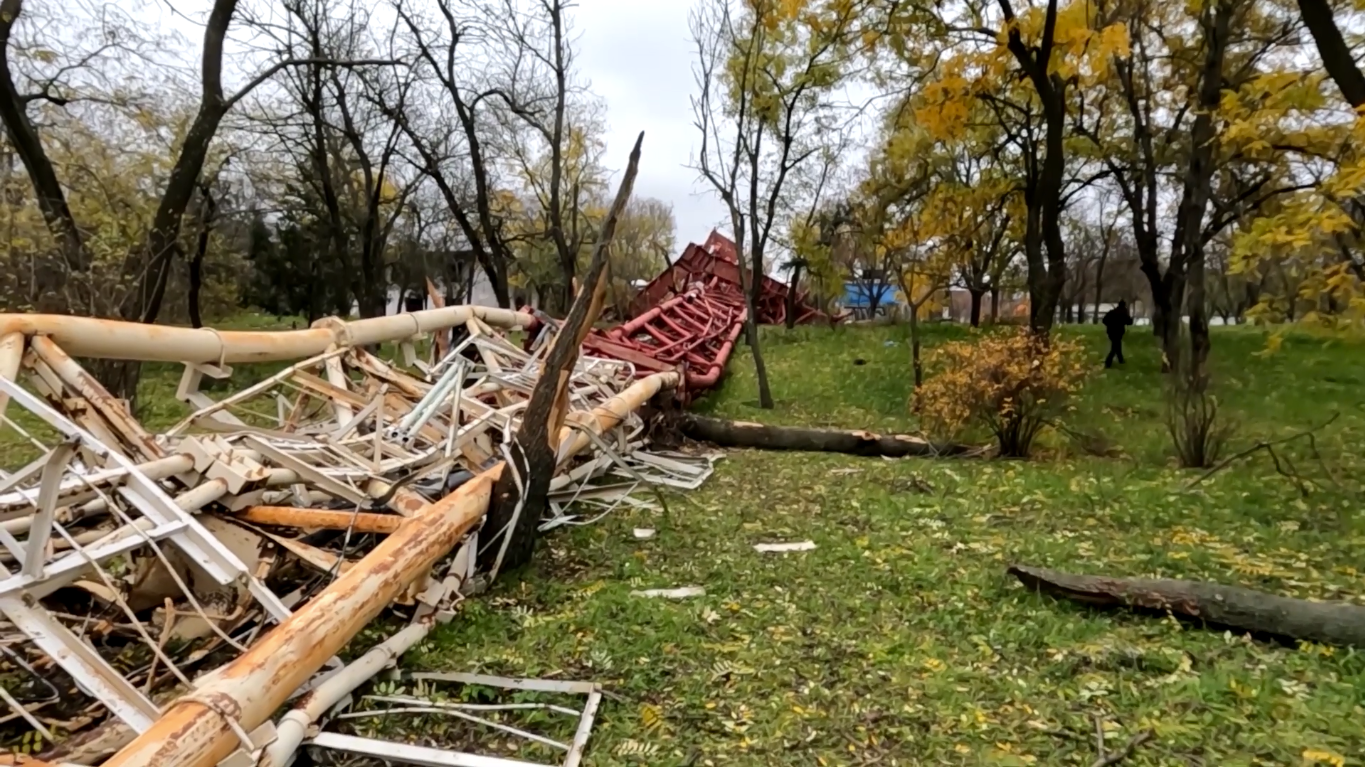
<point x="915" y="361"/>
<point x="762" y="436"/>
<point x="520" y="495"/>
<point x="1233" y="607"/>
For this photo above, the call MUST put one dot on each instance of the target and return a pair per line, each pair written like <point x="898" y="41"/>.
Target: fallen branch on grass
<point x="1282" y="463"/>
<point x="1105" y="758"/>
<point x="1233" y="607"/>
<point x="747" y="434"/>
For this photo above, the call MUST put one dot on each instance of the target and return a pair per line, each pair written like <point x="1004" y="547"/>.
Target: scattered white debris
<point x="764" y="548"/>
<point x="678" y="593"/>
<point x="644" y="532"/>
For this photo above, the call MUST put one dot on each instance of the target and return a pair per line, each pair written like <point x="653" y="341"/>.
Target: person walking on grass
<point x="1116" y="322"/>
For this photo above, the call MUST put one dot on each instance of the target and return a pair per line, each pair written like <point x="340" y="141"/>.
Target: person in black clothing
<point x="1116" y="321"/>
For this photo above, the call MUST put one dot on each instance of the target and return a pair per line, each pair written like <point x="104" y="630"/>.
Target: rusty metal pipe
<point x="289" y="516"/>
<point x="112" y="339"/>
<point x="194" y="731"/>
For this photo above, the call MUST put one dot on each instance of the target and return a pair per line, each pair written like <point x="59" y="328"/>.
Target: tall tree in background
<point x="766" y="80"/>
<point x="149" y="266"/>
<point x="1023" y="65"/>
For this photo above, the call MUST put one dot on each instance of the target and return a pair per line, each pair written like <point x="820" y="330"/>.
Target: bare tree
<point x="763" y="111"/>
<point x="451" y="143"/>
<point x="150" y="267"/>
<point x="546" y="99"/>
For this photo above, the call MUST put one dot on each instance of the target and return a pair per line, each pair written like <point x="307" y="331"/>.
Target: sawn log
<point x="1231" y="607"/>
<point x="865" y="443"/>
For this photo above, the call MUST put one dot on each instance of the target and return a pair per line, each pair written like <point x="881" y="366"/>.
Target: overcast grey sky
<point x="639" y="59"/>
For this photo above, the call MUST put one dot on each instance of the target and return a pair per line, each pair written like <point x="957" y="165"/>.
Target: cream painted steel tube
<point x="195" y="731"/>
<point x="113" y="339"/>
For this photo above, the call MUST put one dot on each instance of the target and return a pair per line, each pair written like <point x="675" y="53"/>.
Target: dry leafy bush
<point x="1199" y="431"/>
<point x="1009" y="381"/>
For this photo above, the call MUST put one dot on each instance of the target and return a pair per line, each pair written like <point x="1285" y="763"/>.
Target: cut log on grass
<point x="866" y="443"/>
<point x="1231" y="607"/>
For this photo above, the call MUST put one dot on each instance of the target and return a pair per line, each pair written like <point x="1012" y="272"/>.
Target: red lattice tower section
<point x="691" y="316"/>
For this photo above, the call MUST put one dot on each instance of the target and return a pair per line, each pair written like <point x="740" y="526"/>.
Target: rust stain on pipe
<point x="111" y="409"/>
<point x="193" y="731"/>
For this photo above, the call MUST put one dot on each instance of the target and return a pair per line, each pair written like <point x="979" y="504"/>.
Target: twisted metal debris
<point x="163" y="594"/>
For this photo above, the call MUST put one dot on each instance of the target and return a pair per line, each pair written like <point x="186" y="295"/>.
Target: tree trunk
<point x="1198" y="180"/>
<point x="791" y="296"/>
<point x="976" y="294"/>
<point x="915" y="345"/>
<point x="567" y="267"/>
<point x="1336" y="55"/>
<point x="28" y="146"/>
<point x="995" y="302"/>
<point x="755" y="435"/>
<point x="1099" y="288"/>
<point x="747" y="278"/>
<point x="196" y="278"/>
<point x="520" y="495"/>
<point x="206" y="220"/>
<point x="1218" y="606"/>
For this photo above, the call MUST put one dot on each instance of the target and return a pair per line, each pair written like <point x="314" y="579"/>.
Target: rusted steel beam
<point x="198" y="729"/>
<point x="111" y="339"/>
<point x="114" y="412"/>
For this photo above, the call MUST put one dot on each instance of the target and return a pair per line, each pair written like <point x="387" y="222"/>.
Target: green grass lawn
<point x="899" y="640"/>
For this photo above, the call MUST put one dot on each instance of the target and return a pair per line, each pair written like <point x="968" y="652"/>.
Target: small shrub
<point x="1009" y="381"/>
<point x="1199" y="432"/>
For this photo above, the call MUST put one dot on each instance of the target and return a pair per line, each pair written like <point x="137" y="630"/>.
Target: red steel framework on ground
<point x="691" y="316"/>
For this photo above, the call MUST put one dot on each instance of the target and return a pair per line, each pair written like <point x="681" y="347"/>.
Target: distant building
<point x="868" y="298"/>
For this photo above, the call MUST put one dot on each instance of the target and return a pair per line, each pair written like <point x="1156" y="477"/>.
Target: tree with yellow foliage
<point x="1024" y="67"/>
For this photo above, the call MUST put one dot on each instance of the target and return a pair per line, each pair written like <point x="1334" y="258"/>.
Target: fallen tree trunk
<point x="1232" y="607"/>
<point x="865" y="443"/>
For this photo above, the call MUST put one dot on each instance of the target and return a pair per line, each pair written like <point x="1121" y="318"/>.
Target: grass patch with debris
<point x="899" y="640"/>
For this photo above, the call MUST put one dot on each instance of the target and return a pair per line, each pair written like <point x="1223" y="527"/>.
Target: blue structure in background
<point x="858" y="295"/>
